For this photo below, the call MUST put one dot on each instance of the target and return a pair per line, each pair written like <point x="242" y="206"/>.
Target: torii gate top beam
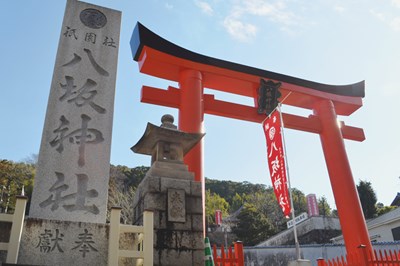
<point x="161" y="58"/>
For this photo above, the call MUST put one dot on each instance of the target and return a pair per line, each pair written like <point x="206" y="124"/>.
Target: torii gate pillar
<point x="344" y="189"/>
<point x="191" y="116"/>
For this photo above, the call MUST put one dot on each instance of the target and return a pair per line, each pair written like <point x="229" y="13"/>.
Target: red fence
<point x="364" y="258"/>
<point x="234" y="257"/>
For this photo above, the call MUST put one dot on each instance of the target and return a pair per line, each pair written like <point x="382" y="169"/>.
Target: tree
<point x="122" y="187"/>
<point x="228" y="189"/>
<point x="253" y="227"/>
<point x="382" y="209"/>
<point x="121" y="197"/>
<point x="299" y="201"/>
<point x="367" y="198"/>
<point x="323" y="207"/>
<point x="237" y="202"/>
<point x="135" y="175"/>
<point x="14" y="177"/>
<point x="215" y="202"/>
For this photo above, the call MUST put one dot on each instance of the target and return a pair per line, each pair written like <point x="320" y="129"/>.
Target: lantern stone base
<point x="169" y="190"/>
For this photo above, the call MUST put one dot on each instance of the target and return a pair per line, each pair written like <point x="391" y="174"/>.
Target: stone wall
<point x="170" y="191"/>
<point x="314" y="230"/>
<point x="281" y="255"/>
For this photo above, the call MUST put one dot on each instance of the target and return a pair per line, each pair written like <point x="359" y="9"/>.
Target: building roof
<point x="396" y="201"/>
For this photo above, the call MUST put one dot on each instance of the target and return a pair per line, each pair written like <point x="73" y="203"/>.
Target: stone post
<point x="171" y="192"/>
<point x="71" y="182"/>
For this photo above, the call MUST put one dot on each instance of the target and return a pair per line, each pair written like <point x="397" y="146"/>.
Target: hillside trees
<point x="259" y="217"/>
<point x="215" y="202"/>
<point x="253" y="226"/>
<point x="122" y="187"/>
<point x="14" y="177"/>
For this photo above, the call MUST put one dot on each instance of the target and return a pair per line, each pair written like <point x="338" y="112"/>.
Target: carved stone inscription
<point x="52" y="241"/>
<point x="73" y="167"/>
<point x="46" y="242"/>
<point x="176" y="205"/>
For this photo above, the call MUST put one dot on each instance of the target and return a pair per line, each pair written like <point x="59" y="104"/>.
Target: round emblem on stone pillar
<point x="93" y="18"/>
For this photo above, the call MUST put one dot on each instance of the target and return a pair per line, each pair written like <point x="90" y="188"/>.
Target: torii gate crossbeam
<point x="194" y="72"/>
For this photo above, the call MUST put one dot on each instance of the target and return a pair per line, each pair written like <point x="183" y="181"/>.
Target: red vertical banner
<point x="312" y="205"/>
<point x="218" y="217"/>
<point x="276" y="160"/>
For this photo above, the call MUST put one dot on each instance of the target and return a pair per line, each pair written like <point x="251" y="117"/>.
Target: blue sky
<point x="327" y="41"/>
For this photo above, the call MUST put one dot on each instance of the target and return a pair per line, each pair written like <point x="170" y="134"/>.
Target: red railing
<point x="364" y="258"/>
<point x="234" y="257"/>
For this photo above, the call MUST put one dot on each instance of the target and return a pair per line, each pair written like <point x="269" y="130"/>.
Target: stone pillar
<point x="172" y="193"/>
<point x="71" y="182"/>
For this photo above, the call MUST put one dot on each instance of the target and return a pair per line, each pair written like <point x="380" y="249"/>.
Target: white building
<point x="384" y="228"/>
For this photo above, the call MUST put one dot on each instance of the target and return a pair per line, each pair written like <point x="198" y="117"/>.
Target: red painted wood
<point x="352" y="221"/>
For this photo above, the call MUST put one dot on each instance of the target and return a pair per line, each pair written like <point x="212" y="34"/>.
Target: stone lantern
<point x="170" y="191"/>
<point x="166" y="143"/>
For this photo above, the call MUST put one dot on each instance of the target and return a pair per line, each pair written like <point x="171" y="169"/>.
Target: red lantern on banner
<point x="276" y="160"/>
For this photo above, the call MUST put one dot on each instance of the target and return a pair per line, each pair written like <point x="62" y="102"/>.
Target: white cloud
<point x="378" y="15"/>
<point x="236" y="22"/>
<point x="239" y="30"/>
<point x="395" y="24"/>
<point x="339" y="9"/>
<point x="276" y="11"/>
<point x="396" y="3"/>
<point x="205" y="7"/>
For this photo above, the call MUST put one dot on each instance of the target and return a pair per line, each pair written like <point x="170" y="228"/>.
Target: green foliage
<point x="128" y="177"/>
<point x="323" y="207"/>
<point x="253" y="227"/>
<point x="266" y="204"/>
<point x="367" y="198"/>
<point x="381" y="209"/>
<point x="237" y="201"/>
<point x="228" y="189"/>
<point x="215" y="202"/>
<point x="14" y="176"/>
<point x="135" y="175"/>
<point x="299" y="201"/>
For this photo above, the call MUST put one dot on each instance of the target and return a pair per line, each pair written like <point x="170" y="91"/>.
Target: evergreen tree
<point x="323" y="207"/>
<point x="367" y="198"/>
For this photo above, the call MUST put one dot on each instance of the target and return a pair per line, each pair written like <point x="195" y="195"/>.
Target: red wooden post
<point x="191" y="116"/>
<point x="214" y="253"/>
<point x="321" y="262"/>
<point x="344" y="189"/>
<point x="363" y="255"/>
<point x="239" y="253"/>
<point x="223" y="255"/>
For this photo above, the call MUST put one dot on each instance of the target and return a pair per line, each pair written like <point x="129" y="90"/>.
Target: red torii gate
<point x="194" y="72"/>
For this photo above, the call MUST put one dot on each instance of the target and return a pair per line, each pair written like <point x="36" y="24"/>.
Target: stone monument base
<point x="63" y="243"/>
